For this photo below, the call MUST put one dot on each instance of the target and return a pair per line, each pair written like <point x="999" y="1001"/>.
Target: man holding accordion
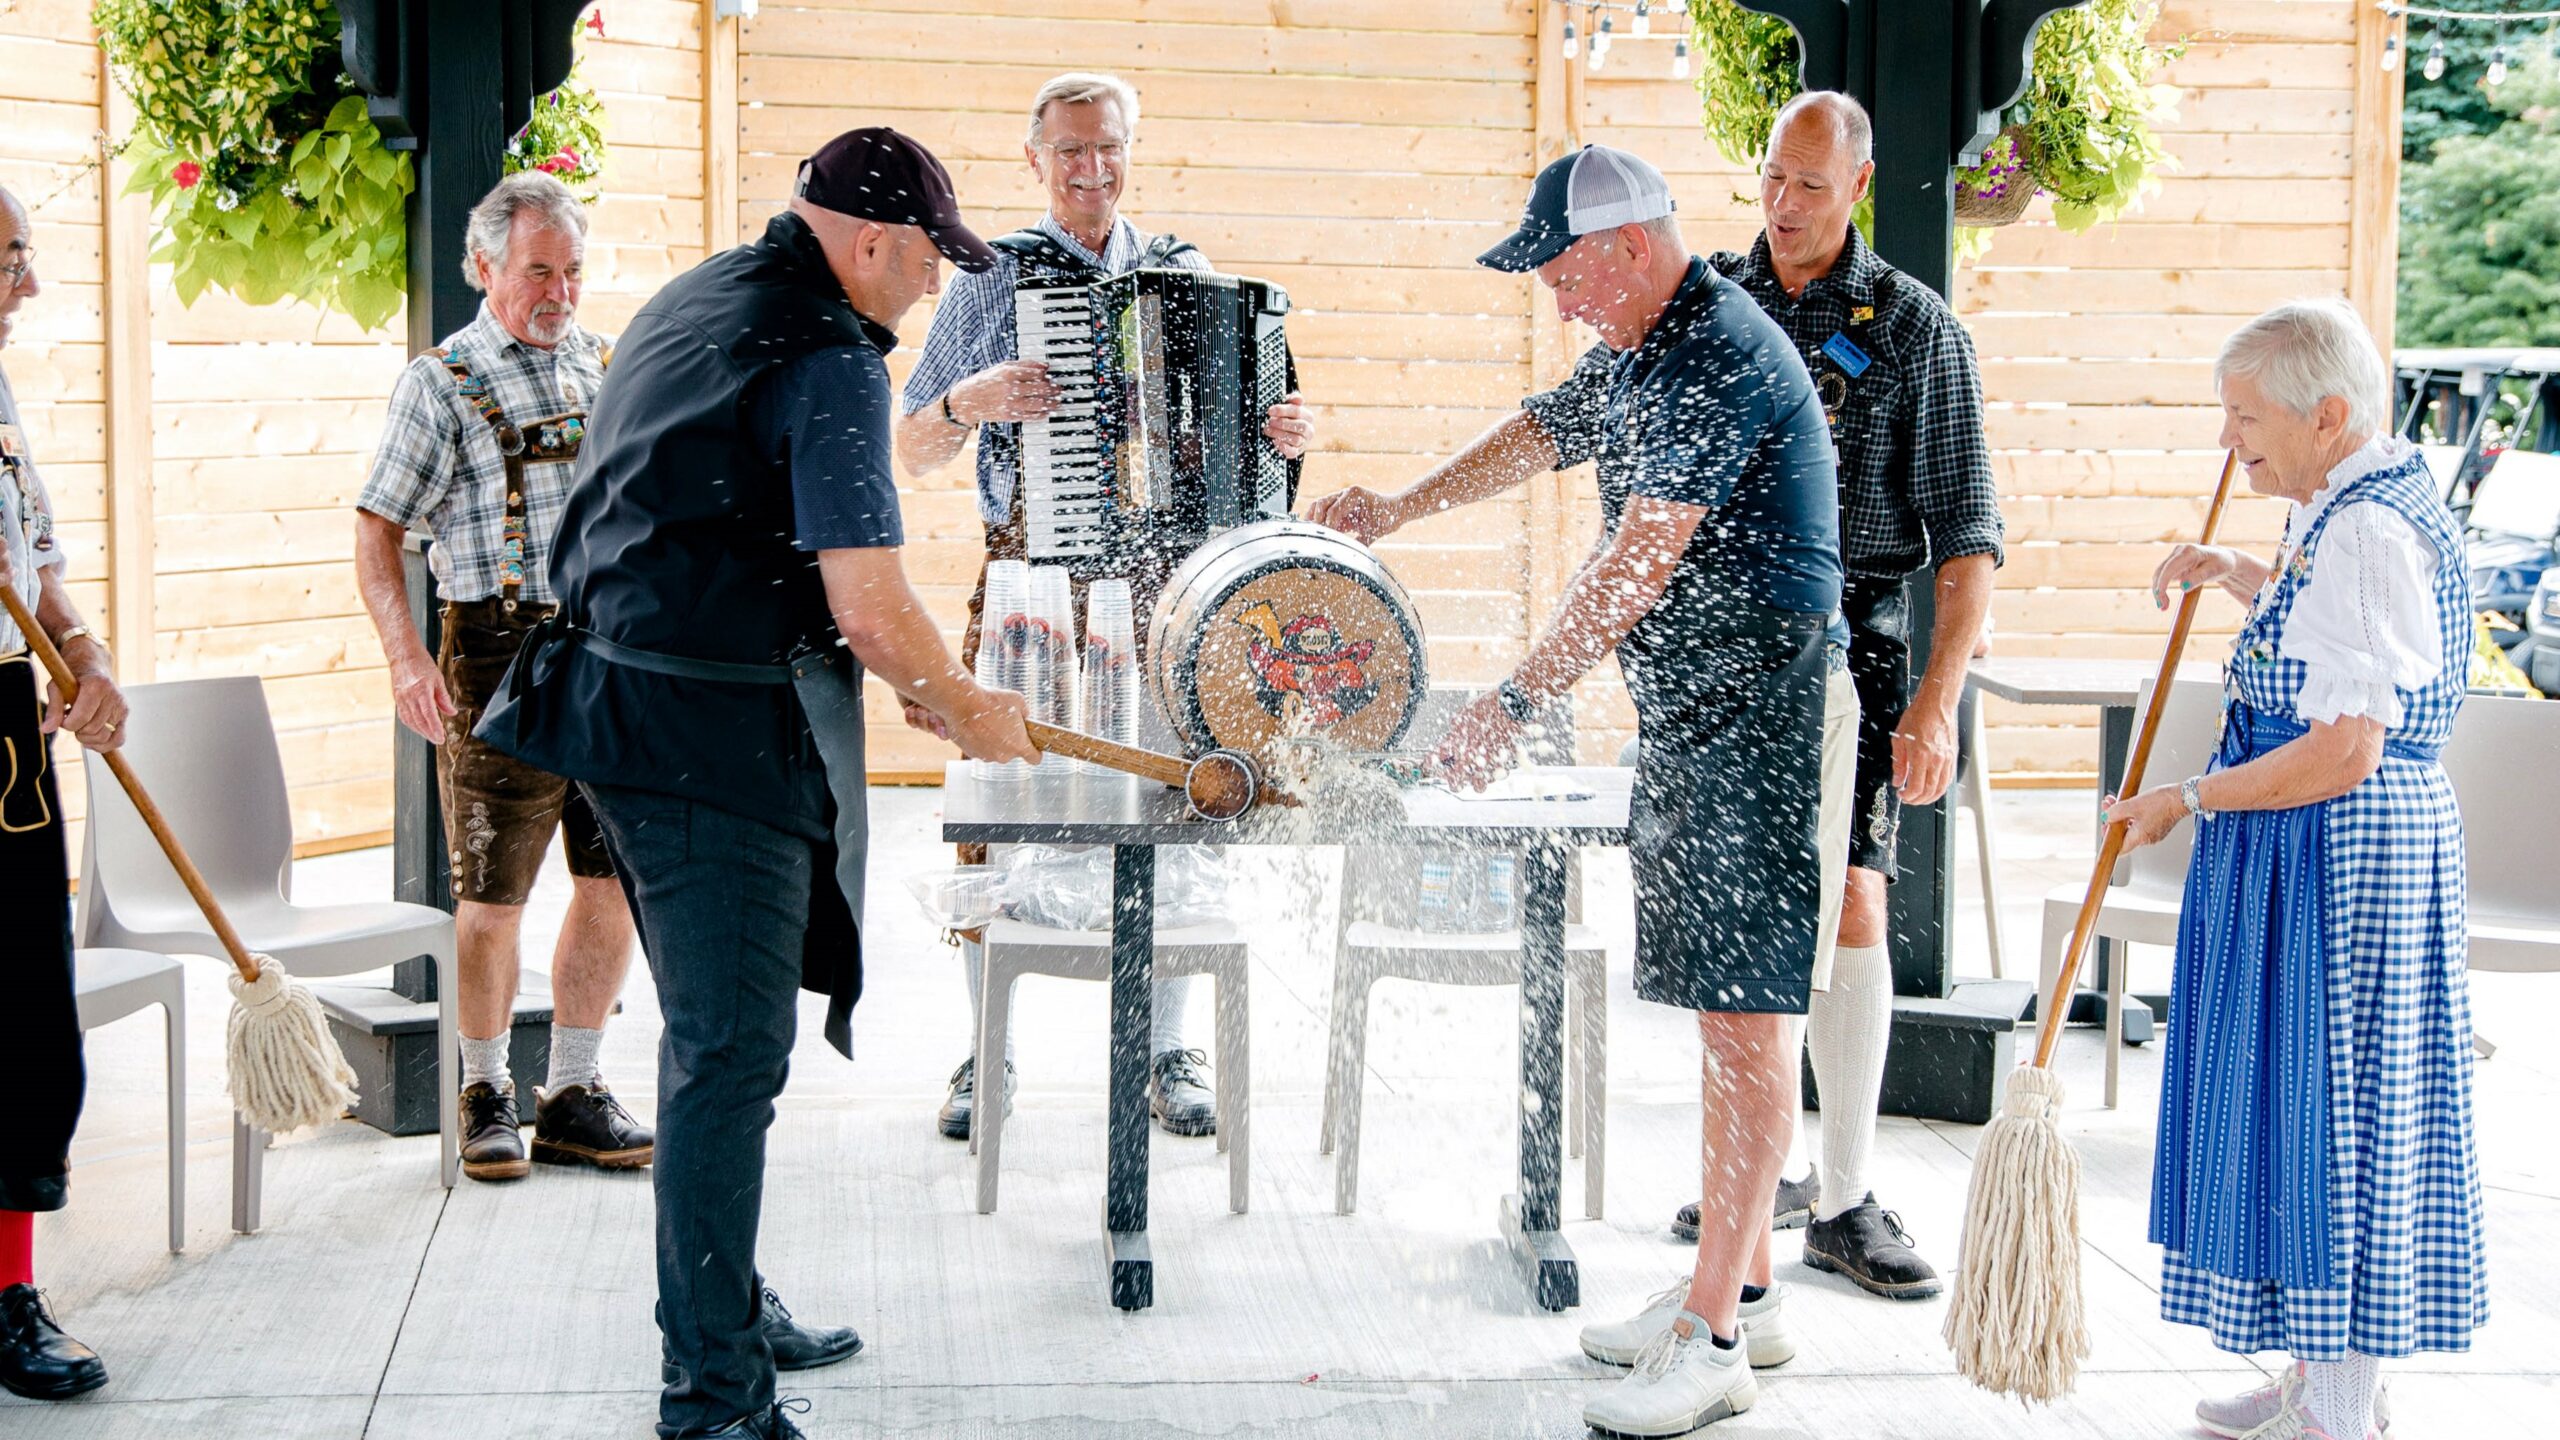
<point x="972" y="380"/>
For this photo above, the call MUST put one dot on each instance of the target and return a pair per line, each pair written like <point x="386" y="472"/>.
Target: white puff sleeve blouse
<point x="2364" y="625"/>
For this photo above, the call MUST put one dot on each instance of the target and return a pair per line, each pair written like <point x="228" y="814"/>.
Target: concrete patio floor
<point x="376" y="1304"/>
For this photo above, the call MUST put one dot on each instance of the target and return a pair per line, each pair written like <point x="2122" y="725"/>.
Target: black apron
<point x="1726" y="816"/>
<point x="39" y="1016"/>
<point x="830" y="688"/>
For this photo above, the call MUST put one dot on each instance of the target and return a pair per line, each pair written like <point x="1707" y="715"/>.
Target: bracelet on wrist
<point x="955" y="420"/>
<point x="1515" y="702"/>
<point x="2191" y="794"/>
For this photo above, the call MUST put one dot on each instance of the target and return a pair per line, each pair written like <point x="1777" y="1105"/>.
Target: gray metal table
<point x="2114" y="686"/>
<point x="1135" y="816"/>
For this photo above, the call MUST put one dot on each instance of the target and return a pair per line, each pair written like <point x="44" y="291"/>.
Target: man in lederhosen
<point x="477" y="450"/>
<point x="1716" y="582"/>
<point x="969" y="382"/>
<point x="39" y="1016"/>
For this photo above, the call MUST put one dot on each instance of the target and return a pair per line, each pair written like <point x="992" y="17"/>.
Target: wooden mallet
<point x="286" y="1068"/>
<point x="1220" y="785"/>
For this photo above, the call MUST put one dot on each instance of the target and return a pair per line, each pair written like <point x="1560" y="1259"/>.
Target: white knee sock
<point x="573" y="1058"/>
<point x="1847" y="1032"/>
<point x="486" y="1060"/>
<point x="1171" y="1027"/>
<point x="2339" y="1394"/>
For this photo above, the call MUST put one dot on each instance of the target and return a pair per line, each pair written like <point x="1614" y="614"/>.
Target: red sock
<point x="17" y="1248"/>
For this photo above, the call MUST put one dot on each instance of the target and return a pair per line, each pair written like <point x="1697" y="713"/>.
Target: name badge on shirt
<point x="1845" y="353"/>
<point x="13" y="444"/>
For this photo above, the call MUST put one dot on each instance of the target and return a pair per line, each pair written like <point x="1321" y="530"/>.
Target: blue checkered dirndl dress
<point x="2316" y="1186"/>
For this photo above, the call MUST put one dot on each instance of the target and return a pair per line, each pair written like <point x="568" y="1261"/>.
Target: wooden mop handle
<point x="2050" y="1018"/>
<point x="43" y="645"/>
<point x="1111" y="754"/>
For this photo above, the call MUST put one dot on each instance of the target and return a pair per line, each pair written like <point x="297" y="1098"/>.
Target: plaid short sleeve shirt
<point x="26" y="516"/>
<point x="438" y="468"/>
<point x="1915" y="471"/>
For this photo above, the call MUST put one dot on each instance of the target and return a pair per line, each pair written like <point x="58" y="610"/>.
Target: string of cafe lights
<point x="2433" y="66"/>
<point x="1599" y="23"/>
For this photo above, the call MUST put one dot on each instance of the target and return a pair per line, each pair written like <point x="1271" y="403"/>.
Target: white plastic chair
<point x="1376" y="940"/>
<point x="1015" y="948"/>
<point x="1973" y="792"/>
<point x="2149" y="885"/>
<point x="207" y="752"/>
<point x="2500" y="763"/>
<point x="108" y="985"/>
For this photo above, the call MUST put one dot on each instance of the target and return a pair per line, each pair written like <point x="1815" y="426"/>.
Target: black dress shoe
<point x="773" y="1424"/>
<point x="1868" y="1244"/>
<point x="803" y="1347"/>
<point x="585" y="1125"/>
<point x="1182" y="1101"/>
<point x="37" y="1360"/>
<point x="492" y="1147"/>
<point x="1792" y="1210"/>
<point x="795" y="1346"/>
<point x="953" y="1119"/>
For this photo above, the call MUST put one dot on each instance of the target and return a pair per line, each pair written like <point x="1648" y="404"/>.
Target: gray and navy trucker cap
<point x="1597" y="187"/>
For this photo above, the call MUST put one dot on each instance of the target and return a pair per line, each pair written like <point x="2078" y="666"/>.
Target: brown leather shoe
<point x="491" y="1147"/>
<point x="585" y="1125"/>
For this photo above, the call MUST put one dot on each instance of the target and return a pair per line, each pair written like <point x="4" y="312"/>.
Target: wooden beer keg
<point x="1284" y="628"/>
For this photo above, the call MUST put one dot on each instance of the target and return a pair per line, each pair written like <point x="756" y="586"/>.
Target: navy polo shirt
<point x="1713" y="409"/>
<point x="824" y="418"/>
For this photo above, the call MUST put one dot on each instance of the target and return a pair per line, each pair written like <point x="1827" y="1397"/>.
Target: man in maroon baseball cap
<point x="729" y="566"/>
<point x="877" y="174"/>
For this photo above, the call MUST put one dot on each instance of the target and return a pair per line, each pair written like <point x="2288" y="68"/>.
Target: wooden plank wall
<point x="255" y="426"/>
<point x="1360" y="153"/>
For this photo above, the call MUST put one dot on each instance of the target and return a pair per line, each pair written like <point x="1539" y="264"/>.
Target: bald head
<point x="1818" y="167"/>
<point x="1830" y="120"/>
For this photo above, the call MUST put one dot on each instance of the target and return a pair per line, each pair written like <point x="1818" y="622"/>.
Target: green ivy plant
<point x="2082" y="126"/>
<point x="267" y="177"/>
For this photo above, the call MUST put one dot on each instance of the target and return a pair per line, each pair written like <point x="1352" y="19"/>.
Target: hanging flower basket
<point x="1998" y="191"/>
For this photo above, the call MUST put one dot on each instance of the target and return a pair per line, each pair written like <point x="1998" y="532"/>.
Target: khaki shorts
<point x="498" y="811"/>
<point x="1839" y="788"/>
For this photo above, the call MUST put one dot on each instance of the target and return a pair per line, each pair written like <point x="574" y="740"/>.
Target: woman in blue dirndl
<point x="2316" y="1188"/>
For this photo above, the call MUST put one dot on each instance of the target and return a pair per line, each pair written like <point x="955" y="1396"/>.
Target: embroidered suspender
<point x="554" y="438"/>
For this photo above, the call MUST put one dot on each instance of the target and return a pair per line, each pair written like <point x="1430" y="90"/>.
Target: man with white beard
<point x="477" y="451"/>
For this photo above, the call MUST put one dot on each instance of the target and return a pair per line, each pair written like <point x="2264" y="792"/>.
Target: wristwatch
<point x="1515" y="702"/>
<point x="2191" y="794"/>
<point x="946" y="412"/>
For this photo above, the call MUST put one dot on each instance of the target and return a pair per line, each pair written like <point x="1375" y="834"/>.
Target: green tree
<point x="2455" y="104"/>
<point x="2480" y="223"/>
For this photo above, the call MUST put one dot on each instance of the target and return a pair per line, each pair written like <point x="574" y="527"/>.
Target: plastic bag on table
<point x="1069" y="887"/>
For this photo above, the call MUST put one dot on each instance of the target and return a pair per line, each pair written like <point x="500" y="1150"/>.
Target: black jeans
<point x="722" y="903"/>
<point x="39" y="1019"/>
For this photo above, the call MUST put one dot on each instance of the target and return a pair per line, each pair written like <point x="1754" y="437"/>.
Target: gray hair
<point x="493" y="220"/>
<point x="2306" y="351"/>
<point x="1849" y="123"/>
<point x="1078" y="87"/>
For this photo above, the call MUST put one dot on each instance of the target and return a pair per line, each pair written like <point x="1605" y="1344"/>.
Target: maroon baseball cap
<point x="878" y="174"/>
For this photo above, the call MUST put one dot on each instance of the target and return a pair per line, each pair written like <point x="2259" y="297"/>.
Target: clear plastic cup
<point x="1052" y="688"/>
<point x="1004" y="636"/>
<point x="1107" y="693"/>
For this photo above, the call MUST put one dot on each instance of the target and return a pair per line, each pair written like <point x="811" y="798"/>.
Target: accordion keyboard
<point x="1064" y="477"/>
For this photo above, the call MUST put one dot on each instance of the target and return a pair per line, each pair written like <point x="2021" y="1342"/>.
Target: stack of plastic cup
<point x="1109" y="689"/>
<point x="1004" y="643"/>
<point x="1053" y="640"/>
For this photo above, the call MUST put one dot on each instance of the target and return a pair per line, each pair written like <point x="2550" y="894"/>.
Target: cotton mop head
<point x="286" y="1068"/>
<point x="2014" y="1321"/>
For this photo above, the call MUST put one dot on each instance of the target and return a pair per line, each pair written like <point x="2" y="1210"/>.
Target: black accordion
<point x="1157" y="443"/>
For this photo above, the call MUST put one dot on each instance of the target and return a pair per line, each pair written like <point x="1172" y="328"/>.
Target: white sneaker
<point x="1764" y="1329"/>
<point x="2243" y="1415"/>
<point x="1678" y="1385"/>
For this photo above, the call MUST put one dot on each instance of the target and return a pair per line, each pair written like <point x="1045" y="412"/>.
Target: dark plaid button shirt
<point x="1915" y="471"/>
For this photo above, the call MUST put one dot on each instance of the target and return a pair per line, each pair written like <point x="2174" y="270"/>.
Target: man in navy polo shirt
<point x="1716" y="582"/>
